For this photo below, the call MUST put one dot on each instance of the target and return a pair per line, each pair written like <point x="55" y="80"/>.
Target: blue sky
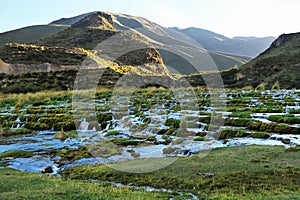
<point x="227" y="17"/>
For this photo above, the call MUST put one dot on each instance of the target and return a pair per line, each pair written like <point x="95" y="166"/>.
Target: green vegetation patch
<point x="175" y="123"/>
<point x="3" y="164"/>
<point x="13" y="131"/>
<point x="229" y="133"/>
<point x="240" y="122"/>
<point x="273" y="127"/>
<point x="290" y="119"/>
<point x="199" y="138"/>
<point x="16" y="154"/>
<point x="71" y="154"/>
<point x="246" y="172"/>
<point x="23" y="185"/>
<point x="112" y="133"/>
<point x="260" y="135"/>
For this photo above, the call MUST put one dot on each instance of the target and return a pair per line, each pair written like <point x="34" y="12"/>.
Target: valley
<point x="105" y="105"/>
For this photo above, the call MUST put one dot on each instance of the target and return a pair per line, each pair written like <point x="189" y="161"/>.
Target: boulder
<point x="47" y="170"/>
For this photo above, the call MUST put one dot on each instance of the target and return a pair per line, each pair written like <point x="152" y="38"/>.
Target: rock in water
<point x="47" y="170"/>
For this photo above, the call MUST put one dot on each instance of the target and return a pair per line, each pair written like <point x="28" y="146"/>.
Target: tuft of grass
<point x="276" y="86"/>
<point x="261" y="86"/>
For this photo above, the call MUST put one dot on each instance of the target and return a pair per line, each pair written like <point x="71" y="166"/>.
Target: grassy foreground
<point x="23" y="185"/>
<point x="246" y="172"/>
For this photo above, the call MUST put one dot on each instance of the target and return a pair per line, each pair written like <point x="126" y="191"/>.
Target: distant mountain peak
<point x="99" y="20"/>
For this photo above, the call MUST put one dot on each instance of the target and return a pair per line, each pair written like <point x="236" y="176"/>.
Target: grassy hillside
<point x="280" y="63"/>
<point x="29" y="34"/>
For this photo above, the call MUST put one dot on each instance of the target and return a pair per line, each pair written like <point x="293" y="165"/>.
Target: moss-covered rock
<point x="175" y="123"/>
<point x="260" y="135"/>
<point x="228" y="133"/>
<point x="199" y="138"/>
<point x="169" y="150"/>
<point x="71" y="154"/>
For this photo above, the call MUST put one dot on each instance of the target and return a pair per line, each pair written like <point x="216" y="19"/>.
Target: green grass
<point x="16" y="154"/>
<point x="247" y="172"/>
<point x="29" y="34"/>
<point x="9" y="131"/>
<point x="22" y="185"/>
<point x="260" y="135"/>
<point x="284" y="119"/>
<point x="3" y="164"/>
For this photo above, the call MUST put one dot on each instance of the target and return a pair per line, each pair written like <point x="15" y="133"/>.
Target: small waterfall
<point x="84" y="125"/>
<point x="18" y="121"/>
<point x="287" y="109"/>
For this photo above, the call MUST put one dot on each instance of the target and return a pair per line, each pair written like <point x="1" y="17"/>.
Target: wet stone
<point x="47" y="170"/>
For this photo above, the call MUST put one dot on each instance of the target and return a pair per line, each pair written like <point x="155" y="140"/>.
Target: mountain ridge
<point x="239" y="45"/>
<point x="157" y="35"/>
<point x="278" y="66"/>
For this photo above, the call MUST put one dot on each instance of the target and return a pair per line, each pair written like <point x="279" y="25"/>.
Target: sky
<point x="227" y="17"/>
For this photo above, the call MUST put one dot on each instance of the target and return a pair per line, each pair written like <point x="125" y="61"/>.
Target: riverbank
<point x="245" y="172"/>
<point x="24" y="185"/>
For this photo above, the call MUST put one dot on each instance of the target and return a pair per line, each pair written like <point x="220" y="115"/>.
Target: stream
<point x="131" y="127"/>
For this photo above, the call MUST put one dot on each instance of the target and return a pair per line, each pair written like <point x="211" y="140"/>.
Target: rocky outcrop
<point x="99" y="20"/>
<point x="140" y="57"/>
<point x="279" y="40"/>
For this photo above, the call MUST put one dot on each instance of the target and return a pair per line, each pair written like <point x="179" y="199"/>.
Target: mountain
<point x="279" y="65"/>
<point x="53" y="62"/>
<point x="161" y="36"/>
<point x="73" y="45"/>
<point x="247" y="46"/>
<point x="157" y="35"/>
